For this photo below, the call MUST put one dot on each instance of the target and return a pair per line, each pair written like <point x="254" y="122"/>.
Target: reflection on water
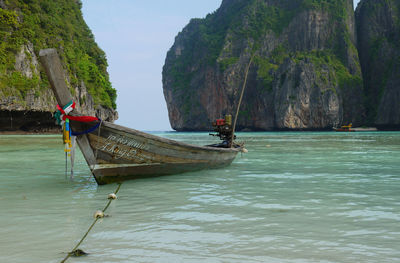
<point x="295" y="197"/>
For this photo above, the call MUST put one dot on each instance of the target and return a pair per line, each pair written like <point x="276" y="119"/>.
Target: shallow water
<point x="295" y="197"/>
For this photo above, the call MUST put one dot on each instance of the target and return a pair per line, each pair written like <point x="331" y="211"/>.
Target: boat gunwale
<point x="166" y="140"/>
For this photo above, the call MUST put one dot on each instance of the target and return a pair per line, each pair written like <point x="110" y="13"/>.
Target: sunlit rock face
<point x="305" y="72"/>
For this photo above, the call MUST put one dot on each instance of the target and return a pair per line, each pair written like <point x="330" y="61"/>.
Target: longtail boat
<point x="115" y="153"/>
<point x="345" y="128"/>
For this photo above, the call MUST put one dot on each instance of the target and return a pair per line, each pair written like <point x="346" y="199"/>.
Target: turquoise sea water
<point x="295" y="197"/>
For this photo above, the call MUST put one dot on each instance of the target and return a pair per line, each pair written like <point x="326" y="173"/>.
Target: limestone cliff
<point x="305" y="75"/>
<point x="378" y="27"/>
<point x="26" y="101"/>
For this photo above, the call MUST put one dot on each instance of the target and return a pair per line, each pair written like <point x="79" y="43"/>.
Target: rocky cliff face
<point x="305" y="72"/>
<point x="378" y="27"/>
<point x="26" y="101"/>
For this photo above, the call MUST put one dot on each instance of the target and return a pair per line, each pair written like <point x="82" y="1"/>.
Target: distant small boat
<point x="345" y="128"/>
<point x="115" y="153"/>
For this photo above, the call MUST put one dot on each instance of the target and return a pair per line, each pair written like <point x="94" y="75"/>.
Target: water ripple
<point x="295" y="197"/>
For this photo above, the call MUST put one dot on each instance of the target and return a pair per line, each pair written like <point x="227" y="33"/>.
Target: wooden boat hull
<point x="121" y="154"/>
<point x="116" y="153"/>
<point x="105" y="174"/>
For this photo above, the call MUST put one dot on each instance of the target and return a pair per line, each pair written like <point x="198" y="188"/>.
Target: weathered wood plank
<point x="171" y="143"/>
<point x="105" y="174"/>
<point x="52" y="65"/>
<point x="55" y="73"/>
<point x="87" y="151"/>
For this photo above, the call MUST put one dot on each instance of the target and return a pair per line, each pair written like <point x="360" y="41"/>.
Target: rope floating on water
<point x="98" y="215"/>
<point x="112" y="196"/>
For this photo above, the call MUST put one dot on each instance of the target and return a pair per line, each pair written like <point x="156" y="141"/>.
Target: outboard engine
<point x="223" y="129"/>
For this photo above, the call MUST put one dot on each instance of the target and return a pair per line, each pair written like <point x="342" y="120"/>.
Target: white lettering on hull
<point x="128" y="142"/>
<point x="111" y="146"/>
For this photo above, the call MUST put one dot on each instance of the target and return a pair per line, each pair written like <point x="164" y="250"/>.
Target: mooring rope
<point x="111" y="198"/>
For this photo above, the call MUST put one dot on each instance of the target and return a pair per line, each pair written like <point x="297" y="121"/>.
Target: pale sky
<point x="136" y="35"/>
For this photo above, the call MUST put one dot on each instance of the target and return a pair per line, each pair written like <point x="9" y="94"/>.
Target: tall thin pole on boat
<point x="240" y="100"/>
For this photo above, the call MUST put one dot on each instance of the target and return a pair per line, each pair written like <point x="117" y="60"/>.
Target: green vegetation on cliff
<point x="205" y="37"/>
<point x="51" y="24"/>
<point x="342" y="77"/>
<point x="249" y="21"/>
<point x="336" y="8"/>
<point x="262" y="17"/>
<point x="305" y="72"/>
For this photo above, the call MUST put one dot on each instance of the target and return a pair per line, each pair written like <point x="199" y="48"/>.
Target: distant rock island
<point x="26" y="101"/>
<point x="317" y="65"/>
<point x="378" y="33"/>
